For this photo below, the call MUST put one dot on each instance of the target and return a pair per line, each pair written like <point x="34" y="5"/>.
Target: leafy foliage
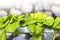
<point x="56" y="25"/>
<point x="49" y="21"/>
<point x="35" y="22"/>
<point x="3" y="22"/>
<point x="8" y="24"/>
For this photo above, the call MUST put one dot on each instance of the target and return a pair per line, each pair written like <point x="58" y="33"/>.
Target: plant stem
<point x="53" y="36"/>
<point x="37" y="37"/>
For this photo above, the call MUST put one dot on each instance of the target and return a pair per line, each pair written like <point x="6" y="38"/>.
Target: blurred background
<point x="50" y="7"/>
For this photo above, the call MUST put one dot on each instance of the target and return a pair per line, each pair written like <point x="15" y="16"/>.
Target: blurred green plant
<point x="35" y="22"/>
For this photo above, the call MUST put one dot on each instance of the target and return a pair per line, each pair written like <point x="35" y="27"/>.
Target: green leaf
<point x="38" y="15"/>
<point x="29" y="20"/>
<point x="21" y="20"/>
<point x="2" y="35"/>
<point x="15" y="16"/>
<point x="2" y="25"/>
<point x="12" y="27"/>
<point x="13" y="23"/>
<point x="38" y="28"/>
<point x="12" y="18"/>
<point x="57" y="21"/>
<point x="57" y="27"/>
<point x="3" y="22"/>
<point x="31" y="27"/>
<point x="21" y="17"/>
<point x="49" y="21"/>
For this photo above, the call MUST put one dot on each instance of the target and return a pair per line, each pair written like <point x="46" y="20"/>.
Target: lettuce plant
<point x="35" y="22"/>
<point x="8" y="24"/>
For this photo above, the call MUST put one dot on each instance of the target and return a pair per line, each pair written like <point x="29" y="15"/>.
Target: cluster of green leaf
<point x="56" y="25"/>
<point x="9" y="24"/>
<point x="35" y="22"/>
